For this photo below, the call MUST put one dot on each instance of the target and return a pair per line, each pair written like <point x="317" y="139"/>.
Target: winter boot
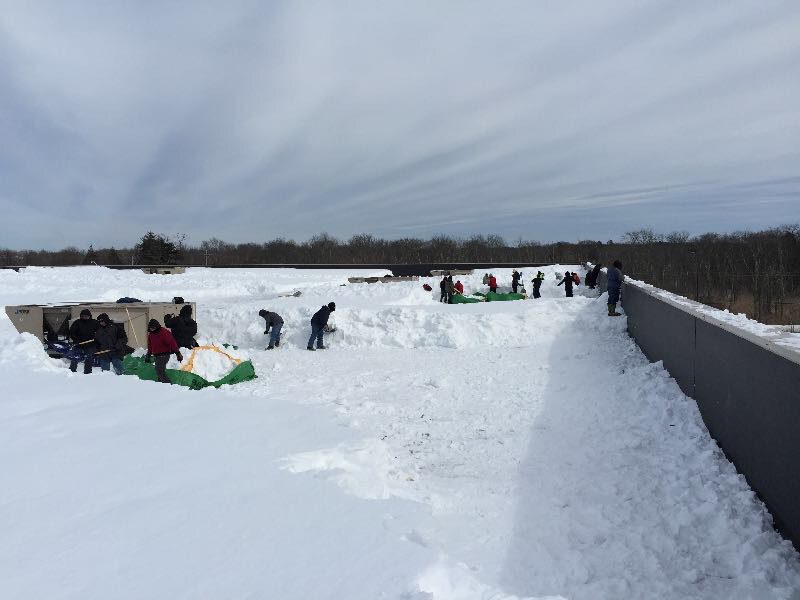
<point x="310" y="348"/>
<point x="322" y="347"/>
<point x="271" y="346"/>
<point x="612" y="310"/>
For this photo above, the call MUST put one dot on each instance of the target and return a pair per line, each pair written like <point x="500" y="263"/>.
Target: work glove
<point x="147" y="357"/>
<point x="180" y="356"/>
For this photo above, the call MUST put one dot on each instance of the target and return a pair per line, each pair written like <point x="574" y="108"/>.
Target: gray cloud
<point x="255" y="120"/>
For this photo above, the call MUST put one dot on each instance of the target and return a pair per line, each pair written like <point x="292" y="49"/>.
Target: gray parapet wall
<point x="746" y="387"/>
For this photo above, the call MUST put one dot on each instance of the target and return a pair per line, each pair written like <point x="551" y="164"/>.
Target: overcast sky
<point x="250" y="120"/>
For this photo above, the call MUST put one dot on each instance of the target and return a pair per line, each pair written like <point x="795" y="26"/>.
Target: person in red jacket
<point x="459" y="287"/>
<point x="160" y="344"/>
<point x="492" y="283"/>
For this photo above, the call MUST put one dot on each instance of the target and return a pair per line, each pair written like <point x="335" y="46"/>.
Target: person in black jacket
<point x="567" y="281"/>
<point x="183" y="327"/>
<point x="274" y="321"/>
<point x="591" y="277"/>
<point x="111" y="341"/>
<point x="82" y="333"/>
<point x="318" y="323"/>
<point x="515" y="277"/>
<point x="537" y="284"/>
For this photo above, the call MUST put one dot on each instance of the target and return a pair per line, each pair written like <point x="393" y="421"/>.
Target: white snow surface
<point x="487" y="451"/>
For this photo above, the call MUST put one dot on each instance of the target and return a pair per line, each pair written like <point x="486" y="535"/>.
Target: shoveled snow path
<point x="568" y="465"/>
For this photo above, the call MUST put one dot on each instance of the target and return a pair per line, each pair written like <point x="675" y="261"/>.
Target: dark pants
<point x="442" y="296"/>
<point x="161" y="361"/>
<point x="316" y="332"/>
<point x="87" y="365"/>
<point x="514" y="287"/>
<point x="107" y="362"/>
<point x="569" y="292"/>
<point x="493" y="289"/>
<point x="275" y="335"/>
<point x="613" y="295"/>
<point x="448" y="297"/>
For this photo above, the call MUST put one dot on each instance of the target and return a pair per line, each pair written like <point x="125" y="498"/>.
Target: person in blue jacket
<point x="318" y="323"/>
<point x="615" y="279"/>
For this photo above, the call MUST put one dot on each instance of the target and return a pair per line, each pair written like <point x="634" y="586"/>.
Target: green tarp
<point x="132" y="365"/>
<point x="493" y="297"/>
<point x="460" y="299"/>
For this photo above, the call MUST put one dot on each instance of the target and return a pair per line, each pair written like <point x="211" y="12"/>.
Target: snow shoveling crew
<point x="82" y="332"/>
<point x="537" y="284"/>
<point x="318" y="323"/>
<point x="567" y="281"/>
<point x="111" y="343"/>
<point x="615" y="279"/>
<point x="459" y="287"/>
<point x="161" y="344"/>
<point x="274" y="322"/>
<point x="492" y="283"/>
<point x="183" y="327"/>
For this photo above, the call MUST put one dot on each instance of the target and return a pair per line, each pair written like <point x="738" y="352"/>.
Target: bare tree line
<point x="753" y="272"/>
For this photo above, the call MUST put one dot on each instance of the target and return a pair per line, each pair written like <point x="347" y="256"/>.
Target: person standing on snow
<point x="515" y="277"/>
<point x="492" y="283"/>
<point x="442" y="287"/>
<point x="449" y="288"/>
<point x="82" y="332"/>
<point x="183" y="327"/>
<point x="591" y="277"/>
<point x="275" y="322"/>
<point x="161" y="344"/>
<point x="318" y="323"/>
<point x="111" y="341"/>
<point x="537" y="284"/>
<point x="567" y="281"/>
<point x="615" y="279"/>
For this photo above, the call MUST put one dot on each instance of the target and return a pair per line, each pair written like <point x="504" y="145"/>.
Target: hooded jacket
<point x="320" y="318"/>
<point x="183" y="327"/>
<point x="271" y="318"/>
<point x="110" y="337"/>
<point x="83" y="330"/>
<point x="160" y="341"/>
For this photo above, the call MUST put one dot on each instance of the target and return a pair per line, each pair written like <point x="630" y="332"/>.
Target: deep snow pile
<point x="504" y="450"/>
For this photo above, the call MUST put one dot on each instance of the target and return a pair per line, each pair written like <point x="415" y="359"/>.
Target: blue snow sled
<point x="70" y="351"/>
